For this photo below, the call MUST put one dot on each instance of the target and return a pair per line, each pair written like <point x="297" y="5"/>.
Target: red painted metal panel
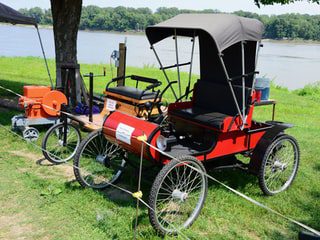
<point x="141" y="127"/>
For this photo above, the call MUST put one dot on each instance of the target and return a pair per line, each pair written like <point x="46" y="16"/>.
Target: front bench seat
<point x="132" y="92"/>
<point x="212" y="104"/>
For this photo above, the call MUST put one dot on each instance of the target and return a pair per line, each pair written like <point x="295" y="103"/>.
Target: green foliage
<point x="286" y="26"/>
<point x="311" y="90"/>
<point x="271" y="2"/>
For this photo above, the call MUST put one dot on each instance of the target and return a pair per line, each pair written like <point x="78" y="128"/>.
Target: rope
<point x="138" y="194"/>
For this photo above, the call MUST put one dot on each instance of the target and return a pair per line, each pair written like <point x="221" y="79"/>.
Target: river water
<point x="292" y="65"/>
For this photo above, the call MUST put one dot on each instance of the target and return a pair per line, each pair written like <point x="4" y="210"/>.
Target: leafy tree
<point x="289" y="26"/>
<point x="271" y="2"/>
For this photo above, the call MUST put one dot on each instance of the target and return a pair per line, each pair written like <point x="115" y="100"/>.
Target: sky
<point x="223" y="5"/>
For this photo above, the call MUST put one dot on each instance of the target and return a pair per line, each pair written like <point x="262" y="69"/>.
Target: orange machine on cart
<point x="41" y="106"/>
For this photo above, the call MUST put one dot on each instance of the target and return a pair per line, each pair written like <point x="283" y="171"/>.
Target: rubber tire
<point x="45" y="139"/>
<point x="262" y="184"/>
<point x="77" y="159"/>
<point x="156" y="185"/>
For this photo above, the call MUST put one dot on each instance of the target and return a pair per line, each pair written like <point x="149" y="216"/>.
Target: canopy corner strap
<point x="10" y="15"/>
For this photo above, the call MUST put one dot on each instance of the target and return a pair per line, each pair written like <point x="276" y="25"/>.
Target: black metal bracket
<point x="175" y="65"/>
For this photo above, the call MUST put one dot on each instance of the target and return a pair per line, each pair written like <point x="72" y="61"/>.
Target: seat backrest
<point x="218" y="97"/>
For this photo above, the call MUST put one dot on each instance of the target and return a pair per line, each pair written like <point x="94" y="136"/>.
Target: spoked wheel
<point x="177" y="195"/>
<point x="98" y="162"/>
<point x="279" y="165"/>
<point x="54" y="147"/>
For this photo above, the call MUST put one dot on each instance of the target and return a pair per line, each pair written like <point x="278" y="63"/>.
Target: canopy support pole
<point x="177" y="58"/>
<point x="255" y="66"/>
<point x="44" y="57"/>
<point x="164" y="71"/>
<point x="191" y="62"/>
<point x="231" y="88"/>
<point x="243" y="85"/>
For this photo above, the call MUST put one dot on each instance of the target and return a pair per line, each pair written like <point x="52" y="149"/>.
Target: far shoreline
<point x="132" y="32"/>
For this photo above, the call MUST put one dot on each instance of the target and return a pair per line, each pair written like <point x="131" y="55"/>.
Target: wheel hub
<point x="101" y="159"/>
<point x="177" y="194"/>
<point x="30" y="134"/>
<point x="60" y="142"/>
<point x="279" y="165"/>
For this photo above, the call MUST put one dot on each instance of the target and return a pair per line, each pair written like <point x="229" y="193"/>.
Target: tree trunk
<point x="66" y="18"/>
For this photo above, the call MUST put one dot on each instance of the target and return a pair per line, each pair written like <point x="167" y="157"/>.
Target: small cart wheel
<point x="30" y="134"/>
<point x="54" y="148"/>
<point x="177" y="195"/>
<point x="98" y="163"/>
<point x="279" y="165"/>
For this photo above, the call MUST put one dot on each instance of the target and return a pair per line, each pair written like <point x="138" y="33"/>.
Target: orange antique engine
<point x="41" y="106"/>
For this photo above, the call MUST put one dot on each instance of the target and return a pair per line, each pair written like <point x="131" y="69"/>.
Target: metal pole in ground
<point x="139" y="191"/>
<point x="122" y="64"/>
<point x="90" y="95"/>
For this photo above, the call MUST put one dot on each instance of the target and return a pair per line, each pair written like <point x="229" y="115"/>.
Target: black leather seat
<point x="132" y="92"/>
<point x="212" y="103"/>
<point x="213" y="119"/>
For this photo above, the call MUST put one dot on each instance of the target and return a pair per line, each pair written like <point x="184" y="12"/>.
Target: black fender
<point x="270" y="135"/>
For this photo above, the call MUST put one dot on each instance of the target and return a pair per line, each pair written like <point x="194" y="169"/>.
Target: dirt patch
<point x="27" y="155"/>
<point x="12" y="227"/>
<point x="65" y="169"/>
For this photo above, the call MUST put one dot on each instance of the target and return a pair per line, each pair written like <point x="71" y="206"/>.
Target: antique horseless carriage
<point x="216" y="124"/>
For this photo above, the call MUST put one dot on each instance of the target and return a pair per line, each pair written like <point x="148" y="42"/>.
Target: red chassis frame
<point x="230" y="139"/>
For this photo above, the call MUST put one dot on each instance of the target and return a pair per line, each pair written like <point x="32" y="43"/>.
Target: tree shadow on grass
<point x="5" y="113"/>
<point x="14" y="86"/>
<point x="128" y="181"/>
<point x="312" y="207"/>
<point x="235" y="178"/>
<point x="317" y="167"/>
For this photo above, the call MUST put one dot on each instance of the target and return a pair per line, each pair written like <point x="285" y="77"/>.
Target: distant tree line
<point x="285" y="26"/>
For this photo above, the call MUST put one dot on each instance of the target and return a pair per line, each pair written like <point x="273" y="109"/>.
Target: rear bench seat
<point x="212" y="104"/>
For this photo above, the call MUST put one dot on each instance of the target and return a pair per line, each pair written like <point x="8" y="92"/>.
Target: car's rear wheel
<point x="279" y="165"/>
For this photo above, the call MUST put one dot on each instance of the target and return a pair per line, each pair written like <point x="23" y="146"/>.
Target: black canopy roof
<point x="217" y="33"/>
<point x="224" y="29"/>
<point x="9" y="15"/>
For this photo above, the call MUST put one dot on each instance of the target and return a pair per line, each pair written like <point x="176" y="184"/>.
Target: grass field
<point x="40" y="201"/>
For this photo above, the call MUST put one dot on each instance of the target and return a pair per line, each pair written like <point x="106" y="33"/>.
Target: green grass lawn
<point x="40" y="201"/>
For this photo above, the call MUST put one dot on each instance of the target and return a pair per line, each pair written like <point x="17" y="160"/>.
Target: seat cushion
<point x="212" y="119"/>
<point x="132" y="92"/>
